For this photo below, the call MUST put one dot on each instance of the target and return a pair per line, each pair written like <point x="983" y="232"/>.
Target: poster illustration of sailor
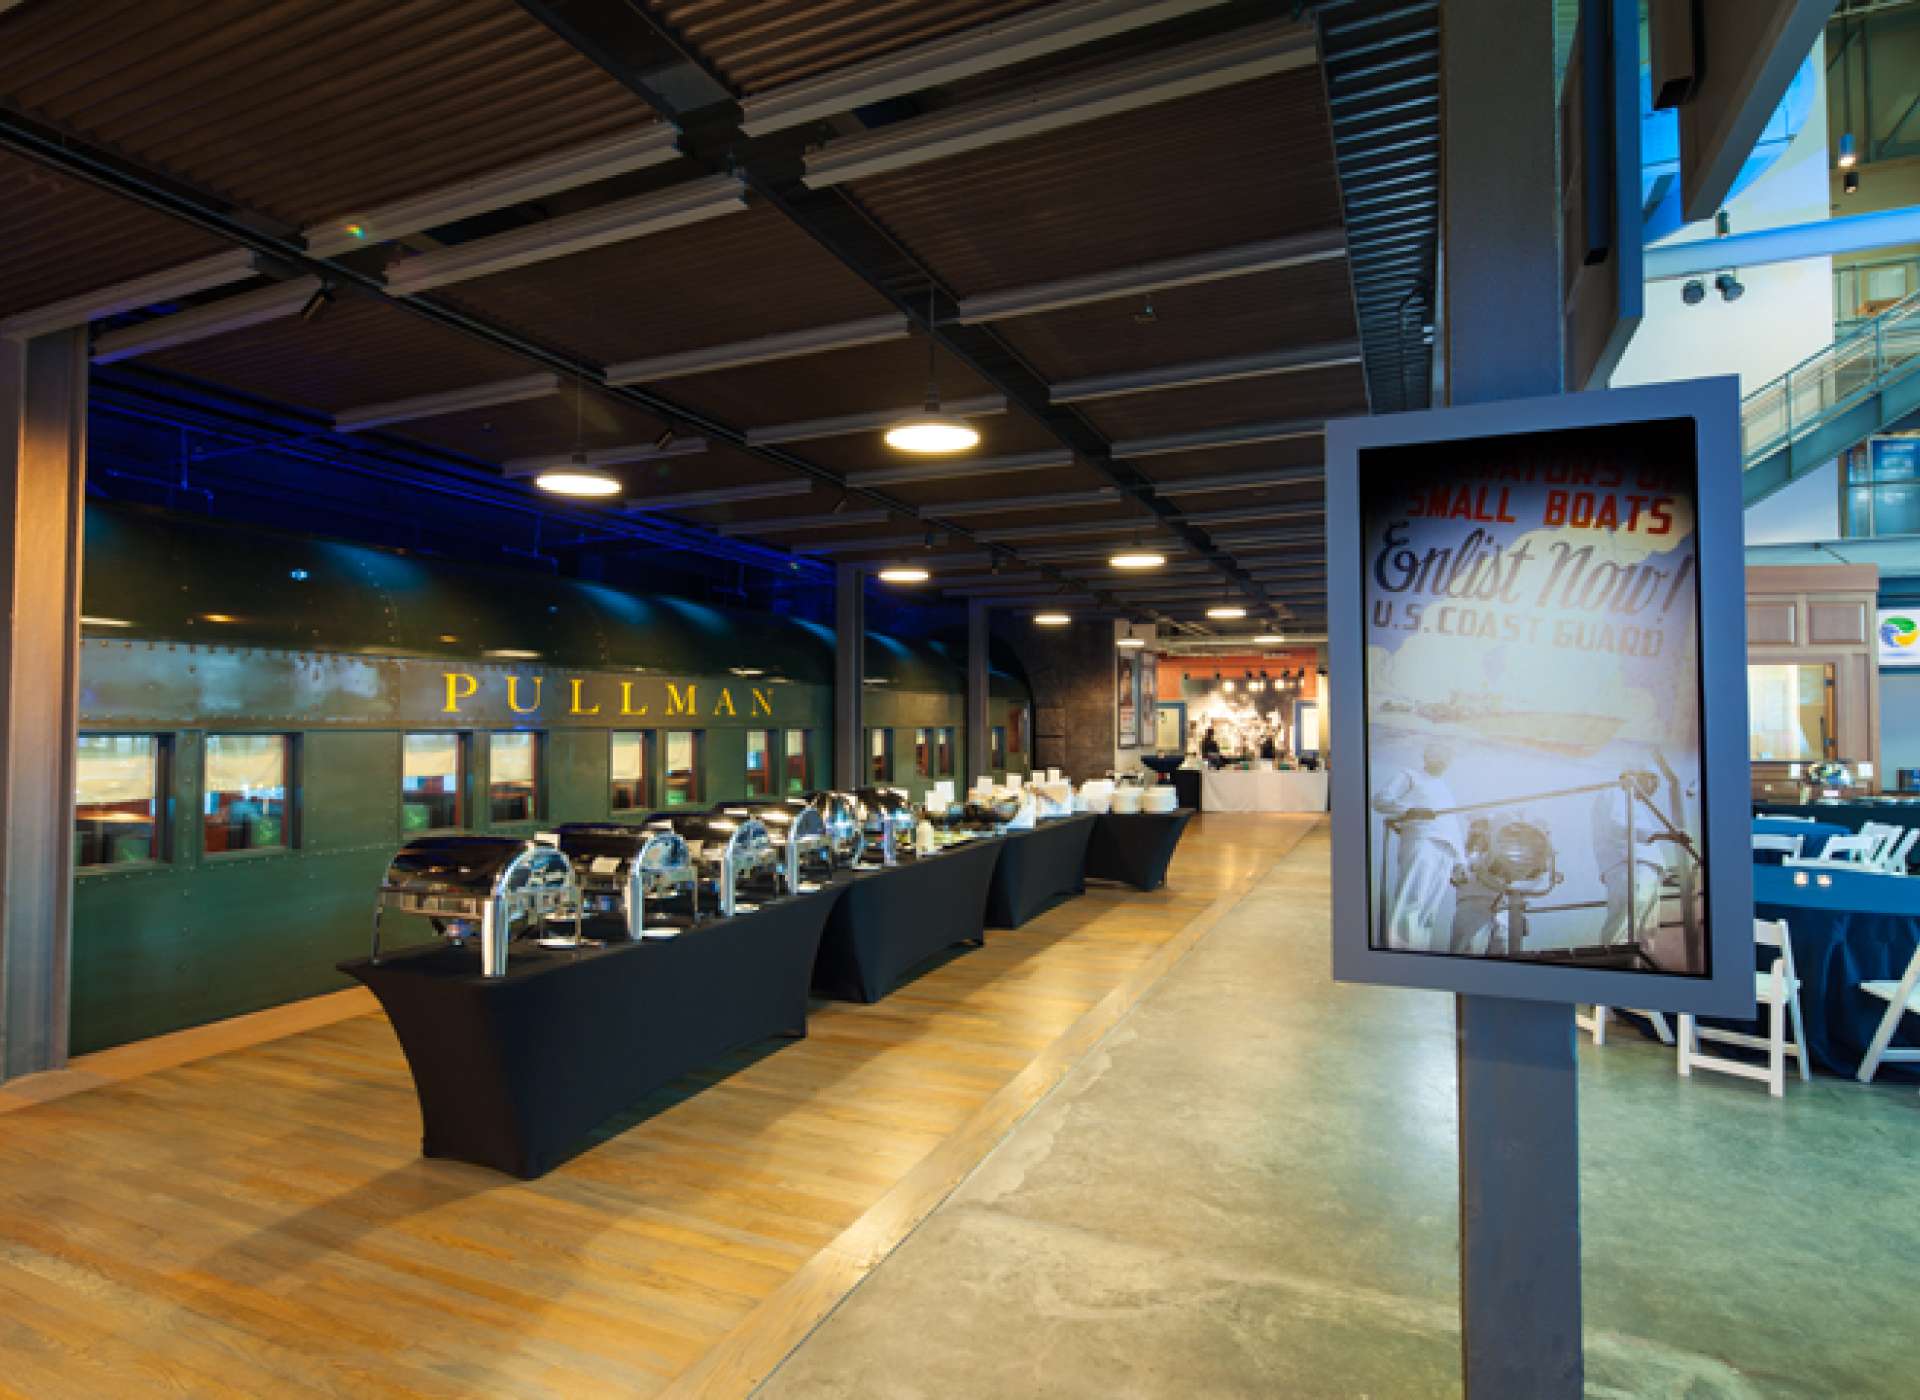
<point x="1534" y="773"/>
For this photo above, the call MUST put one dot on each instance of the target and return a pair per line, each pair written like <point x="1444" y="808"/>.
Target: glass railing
<point x="1812" y="392"/>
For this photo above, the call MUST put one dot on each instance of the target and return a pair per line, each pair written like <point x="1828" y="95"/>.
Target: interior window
<point x="799" y="769"/>
<point x="117" y="811"/>
<point x="244" y="795"/>
<point x="759" y="763"/>
<point x="513" y="776"/>
<point x="880" y="755"/>
<point x="997" y="753"/>
<point x="1790" y="713"/>
<point x="684" y="785"/>
<point x="943" y="756"/>
<point x="923" y="753"/>
<point x="431" y="778"/>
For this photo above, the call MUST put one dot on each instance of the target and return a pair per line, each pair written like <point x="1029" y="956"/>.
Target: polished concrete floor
<point x="1248" y="1189"/>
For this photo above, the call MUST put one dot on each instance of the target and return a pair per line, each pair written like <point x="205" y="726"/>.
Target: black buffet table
<point x="1039" y="869"/>
<point x="1186" y="787"/>
<point x="890" y="920"/>
<point x="1135" y="848"/>
<point x="515" y="1072"/>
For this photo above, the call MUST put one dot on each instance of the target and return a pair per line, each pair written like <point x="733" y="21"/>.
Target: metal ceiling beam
<point x="766" y="349"/>
<point x="986" y="406"/>
<point x="983" y="49"/>
<point x="204" y="322"/>
<point x="1257" y="51"/>
<point x="960" y="468"/>
<point x="1240" y="481"/>
<point x="1245" y="434"/>
<point x="718" y="496"/>
<point x="784" y="524"/>
<point x="1222" y="264"/>
<point x="613" y="457"/>
<point x="379" y="415"/>
<point x="1197" y="372"/>
<point x="202" y="274"/>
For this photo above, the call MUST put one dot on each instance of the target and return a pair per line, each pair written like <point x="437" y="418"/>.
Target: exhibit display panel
<point x="1543" y="594"/>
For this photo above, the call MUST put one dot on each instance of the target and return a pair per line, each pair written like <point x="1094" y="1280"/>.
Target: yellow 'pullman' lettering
<point x="724" y="705"/>
<point x="762" y="701"/>
<point x="513" y="695"/>
<point x="575" y="709"/>
<point x="460" y="685"/>
<point x="682" y="704"/>
<point x="626" y="700"/>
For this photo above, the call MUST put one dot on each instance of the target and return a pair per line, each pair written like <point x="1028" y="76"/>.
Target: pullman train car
<point x="265" y="718"/>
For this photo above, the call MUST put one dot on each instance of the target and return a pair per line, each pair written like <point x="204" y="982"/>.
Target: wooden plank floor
<point x="211" y="1217"/>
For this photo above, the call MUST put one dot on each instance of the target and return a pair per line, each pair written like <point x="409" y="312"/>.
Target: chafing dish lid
<point x="453" y="862"/>
<point x="715" y="832"/>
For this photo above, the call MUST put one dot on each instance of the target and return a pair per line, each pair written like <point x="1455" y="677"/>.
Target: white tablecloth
<point x="1236" y="790"/>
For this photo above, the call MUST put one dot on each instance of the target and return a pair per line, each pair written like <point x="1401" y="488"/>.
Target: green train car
<point x="265" y="718"/>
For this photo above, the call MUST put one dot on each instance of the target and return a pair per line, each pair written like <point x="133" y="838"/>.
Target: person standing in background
<point x="1428" y="848"/>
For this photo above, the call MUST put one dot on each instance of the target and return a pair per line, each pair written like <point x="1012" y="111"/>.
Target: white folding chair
<point x="1596" y="1024"/>
<point x="1778" y="990"/>
<point x="1788" y="846"/>
<point x="1782" y="817"/>
<point x="1883" y="835"/>
<point x="1902" y="999"/>
<point x="1894" y="859"/>
<point x="1843" y="851"/>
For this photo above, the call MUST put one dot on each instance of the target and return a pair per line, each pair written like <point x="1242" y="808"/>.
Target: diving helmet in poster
<point x="1533" y="755"/>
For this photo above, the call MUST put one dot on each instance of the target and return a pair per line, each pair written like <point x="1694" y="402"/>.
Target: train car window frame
<point x="160" y="802"/>
<point x="997" y="747"/>
<point x="769" y="745"/>
<point x="879" y="761"/>
<point x="462" y="766"/>
<point x="923" y="742"/>
<point x="649" y="744"/>
<point x="533" y="784"/>
<point x="696" y="772"/>
<point x="945" y="752"/>
<point x="288" y="815"/>
<point x="804" y="782"/>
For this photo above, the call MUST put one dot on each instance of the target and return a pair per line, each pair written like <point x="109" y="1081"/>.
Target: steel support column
<point x="1519" y="1130"/>
<point x="43" y="456"/>
<point x="849" y="673"/>
<point x="979" y="686"/>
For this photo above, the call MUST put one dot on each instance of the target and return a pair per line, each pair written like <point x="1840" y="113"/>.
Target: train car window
<point x="243" y="797"/>
<point x="880" y="755"/>
<point x="799" y="762"/>
<point x="513" y="776"/>
<point x="685" y="785"/>
<point x="432" y="777"/>
<point x="1017" y="727"/>
<point x="997" y="753"/>
<point x="633" y="771"/>
<point x="760" y="762"/>
<point x="943" y="753"/>
<point x="923" y="752"/>
<point x="119" y="780"/>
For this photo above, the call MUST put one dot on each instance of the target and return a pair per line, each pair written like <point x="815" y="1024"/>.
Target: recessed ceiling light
<point x="1052" y="619"/>
<point x="1131" y="642"/>
<point x="578" y="479"/>
<point x="1226" y="612"/>
<point x="932" y="433"/>
<point x="1268" y="639"/>
<point x="1137" y="559"/>
<point x="219" y="617"/>
<point x="86" y="621"/>
<point x="906" y="573"/>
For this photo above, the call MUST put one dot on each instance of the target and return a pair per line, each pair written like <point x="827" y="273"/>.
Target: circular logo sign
<point x="1899" y="632"/>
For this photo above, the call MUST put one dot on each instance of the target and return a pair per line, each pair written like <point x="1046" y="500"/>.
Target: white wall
<point x="1803" y="510"/>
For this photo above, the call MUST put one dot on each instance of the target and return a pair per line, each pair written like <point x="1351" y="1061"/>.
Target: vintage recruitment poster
<point x="1534" y="774"/>
<point x="1126" y="689"/>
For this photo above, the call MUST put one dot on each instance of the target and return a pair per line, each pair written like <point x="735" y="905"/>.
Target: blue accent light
<point x="299" y="575"/>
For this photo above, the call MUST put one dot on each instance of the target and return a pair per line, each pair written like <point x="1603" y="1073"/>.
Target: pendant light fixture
<point x="904" y="573"/>
<point x="1137" y="556"/>
<point x="1226" y="612"/>
<point x="1051" y="619"/>
<point x="1269" y="639"/>
<point x="577" y="477"/>
<point x="932" y="433"/>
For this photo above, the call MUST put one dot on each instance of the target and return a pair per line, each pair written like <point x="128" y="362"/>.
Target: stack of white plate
<point x="1126" y="799"/>
<point x="1098" y="793"/>
<point x="1159" y="798"/>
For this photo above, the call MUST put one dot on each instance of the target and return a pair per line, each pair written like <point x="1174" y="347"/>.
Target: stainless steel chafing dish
<point x="732" y="851"/>
<point x="625" y="871"/>
<point x="888" y="821"/>
<point x="800" y="833"/>
<point x="494" y="888"/>
<point x="840" y="813"/>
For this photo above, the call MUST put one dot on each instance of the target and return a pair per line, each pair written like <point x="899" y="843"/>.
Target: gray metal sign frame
<point x="1712" y="405"/>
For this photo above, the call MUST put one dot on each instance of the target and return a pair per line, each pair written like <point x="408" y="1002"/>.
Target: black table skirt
<point x="1135" y="849"/>
<point x="1186" y="787"/>
<point x="1039" y="869"/>
<point x="1851" y="815"/>
<point x="515" y="1072"/>
<point x="889" y="921"/>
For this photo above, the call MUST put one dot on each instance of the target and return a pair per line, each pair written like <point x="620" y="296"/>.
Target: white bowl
<point x="1160" y="799"/>
<point x="1126" y="800"/>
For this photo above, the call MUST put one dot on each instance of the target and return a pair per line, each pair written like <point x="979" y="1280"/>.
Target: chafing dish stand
<point x="1135" y="848"/>
<point x="892" y="919"/>
<point x="1039" y="869"/>
<point x="516" y="1072"/>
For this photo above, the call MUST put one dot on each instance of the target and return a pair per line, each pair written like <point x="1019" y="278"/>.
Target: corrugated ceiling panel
<point x="305" y="109"/>
<point x="59" y="238"/>
<point x="1251" y="459"/>
<point x="1333" y="392"/>
<point x="536" y="427"/>
<point x="729" y="279"/>
<point x="987" y="486"/>
<point x="863" y="379"/>
<point x="1206" y="172"/>
<point x="1307" y="305"/>
<point x="356" y="352"/>
<point x="763" y="44"/>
